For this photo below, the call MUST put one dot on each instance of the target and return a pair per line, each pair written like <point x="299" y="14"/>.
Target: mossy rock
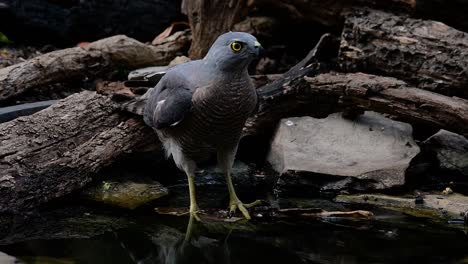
<point x="126" y="194"/>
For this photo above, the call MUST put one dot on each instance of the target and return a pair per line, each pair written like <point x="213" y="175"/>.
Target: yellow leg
<point x="193" y="199"/>
<point x="235" y="203"/>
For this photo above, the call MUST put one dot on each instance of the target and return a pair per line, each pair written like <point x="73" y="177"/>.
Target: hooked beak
<point x="259" y="50"/>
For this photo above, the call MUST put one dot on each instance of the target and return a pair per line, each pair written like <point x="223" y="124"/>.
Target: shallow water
<point x="92" y="236"/>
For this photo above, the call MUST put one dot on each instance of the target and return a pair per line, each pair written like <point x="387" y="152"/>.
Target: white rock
<point x="371" y="148"/>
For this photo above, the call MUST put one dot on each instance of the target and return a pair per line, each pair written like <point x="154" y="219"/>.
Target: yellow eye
<point x="236" y="46"/>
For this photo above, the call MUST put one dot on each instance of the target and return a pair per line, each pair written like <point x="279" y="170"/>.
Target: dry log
<point x="321" y="94"/>
<point x="396" y="98"/>
<point x="92" y="60"/>
<point x="426" y="54"/>
<point x="60" y="149"/>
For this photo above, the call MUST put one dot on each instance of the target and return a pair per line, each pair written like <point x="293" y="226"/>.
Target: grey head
<point x="233" y="51"/>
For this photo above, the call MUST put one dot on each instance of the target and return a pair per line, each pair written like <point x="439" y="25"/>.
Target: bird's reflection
<point x="189" y="230"/>
<point x="169" y="246"/>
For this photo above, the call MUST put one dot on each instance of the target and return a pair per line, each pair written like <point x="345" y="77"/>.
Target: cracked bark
<point x="60" y="149"/>
<point x="426" y="54"/>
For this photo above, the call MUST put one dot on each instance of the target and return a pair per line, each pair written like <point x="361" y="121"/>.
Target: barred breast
<point x="217" y="118"/>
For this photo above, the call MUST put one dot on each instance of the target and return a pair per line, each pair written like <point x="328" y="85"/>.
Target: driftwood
<point x="426" y="54"/>
<point x="92" y="60"/>
<point x="60" y="149"/>
<point x="394" y="97"/>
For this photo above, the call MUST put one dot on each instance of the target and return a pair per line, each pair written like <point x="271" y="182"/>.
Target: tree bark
<point x="209" y="19"/>
<point x="92" y="60"/>
<point x="60" y="149"/>
<point x="427" y="54"/>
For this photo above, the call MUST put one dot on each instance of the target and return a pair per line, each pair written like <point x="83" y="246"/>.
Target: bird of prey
<point x="200" y="107"/>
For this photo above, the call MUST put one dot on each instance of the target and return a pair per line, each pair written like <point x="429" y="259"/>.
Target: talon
<point x="237" y="204"/>
<point x="195" y="215"/>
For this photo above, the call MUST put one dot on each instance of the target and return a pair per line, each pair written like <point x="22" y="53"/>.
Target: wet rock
<point x="126" y="194"/>
<point x="370" y="152"/>
<point x="451" y="150"/>
<point x="434" y="205"/>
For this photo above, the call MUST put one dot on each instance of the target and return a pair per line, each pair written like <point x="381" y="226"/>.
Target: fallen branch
<point x="266" y="212"/>
<point x="92" y="60"/>
<point x="320" y="94"/>
<point x="391" y="96"/>
<point x="60" y="149"/>
<point x="427" y="54"/>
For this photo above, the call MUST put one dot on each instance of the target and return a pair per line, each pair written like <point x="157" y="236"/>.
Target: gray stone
<point x="126" y="194"/>
<point x="451" y="150"/>
<point x="369" y="152"/>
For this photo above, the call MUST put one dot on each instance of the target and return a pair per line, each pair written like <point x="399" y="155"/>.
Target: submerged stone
<point x="126" y="194"/>
<point x="334" y="153"/>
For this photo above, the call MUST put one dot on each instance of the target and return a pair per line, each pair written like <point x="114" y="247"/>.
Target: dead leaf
<point x="176" y="26"/>
<point x="82" y="44"/>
